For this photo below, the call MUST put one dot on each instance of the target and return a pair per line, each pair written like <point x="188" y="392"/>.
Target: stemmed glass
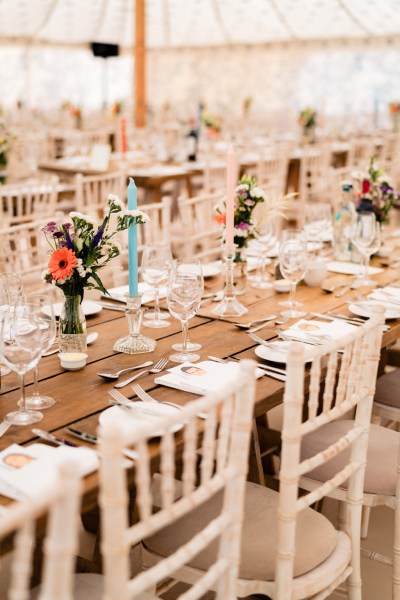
<point x="11" y="290"/>
<point x="21" y="348"/>
<point x="44" y="313"/>
<point x="366" y="236"/>
<point x="317" y="220"/>
<point x="156" y="266"/>
<point x="266" y="239"/>
<point x="185" y="288"/>
<point x="293" y="265"/>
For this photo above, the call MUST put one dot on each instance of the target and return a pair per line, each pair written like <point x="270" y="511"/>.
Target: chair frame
<point x="223" y="456"/>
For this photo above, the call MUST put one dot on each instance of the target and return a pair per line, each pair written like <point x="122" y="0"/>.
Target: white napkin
<point x="388" y="296"/>
<point x="25" y="471"/>
<point x="118" y="293"/>
<point x="202" y="377"/>
<point x="335" y="329"/>
<point x="349" y="268"/>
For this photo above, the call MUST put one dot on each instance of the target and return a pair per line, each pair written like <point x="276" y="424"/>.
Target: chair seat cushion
<point x="316" y="538"/>
<point x="383" y="445"/>
<point x="388" y="389"/>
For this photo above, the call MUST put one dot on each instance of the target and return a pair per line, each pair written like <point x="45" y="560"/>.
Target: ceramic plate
<point x="364" y="309"/>
<point x="280" y="354"/>
<point x="88" y="306"/>
<point x="134" y="418"/>
<point x="211" y="269"/>
<point x="349" y="268"/>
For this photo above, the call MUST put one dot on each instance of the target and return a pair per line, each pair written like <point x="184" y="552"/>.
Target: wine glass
<point x="20" y="348"/>
<point x="44" y="313"/>
<point x="4" y="308"/>
<point x="266" y="239"/>
<point x="317" y="220"/>
<point x="185" y="288"/>
<point x="366" y="236"/>
<point x="293" y="265"/>
<point x="156" y="266"/>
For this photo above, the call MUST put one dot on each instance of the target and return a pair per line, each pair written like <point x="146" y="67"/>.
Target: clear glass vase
<point x="240" y="271"/>
<point x="72" y="326"/>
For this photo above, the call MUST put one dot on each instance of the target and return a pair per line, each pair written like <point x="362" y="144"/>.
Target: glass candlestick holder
<point x="229" y="305"/>
<point x="135" y="342"/>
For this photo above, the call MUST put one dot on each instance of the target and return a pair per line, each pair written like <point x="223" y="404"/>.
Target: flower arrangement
<point x="376" y="187"/>
<point x="212" y="123"/>
<point x="6" y="139"/>
<point x="394" y="107"/>
<point x="252" y="206"/>
<point x="116" y="108"/>
<point x="80" y="248"/>
<point x="308" y="119"/>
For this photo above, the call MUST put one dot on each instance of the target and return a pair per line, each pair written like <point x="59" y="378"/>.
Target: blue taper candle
<point x="132" y="241"/>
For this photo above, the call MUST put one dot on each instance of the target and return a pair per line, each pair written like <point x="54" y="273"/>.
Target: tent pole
<point x="140" y="63"/>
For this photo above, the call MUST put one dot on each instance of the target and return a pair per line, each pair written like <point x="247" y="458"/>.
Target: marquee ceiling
<point x="182" y="23"/>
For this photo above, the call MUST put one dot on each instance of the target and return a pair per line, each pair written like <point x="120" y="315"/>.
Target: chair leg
<point x="342" y="516"/>
<point x="366" y="511"/>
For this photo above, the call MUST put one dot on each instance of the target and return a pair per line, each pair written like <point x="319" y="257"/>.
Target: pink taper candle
<point x="231" y="174"/>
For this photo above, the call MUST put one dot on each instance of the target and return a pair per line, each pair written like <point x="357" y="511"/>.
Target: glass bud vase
<point x="72" y="326"/>
<point x="240" y="271"/>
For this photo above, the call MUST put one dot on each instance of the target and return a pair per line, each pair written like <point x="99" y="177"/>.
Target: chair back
<point x="272" y="170"/>
<point x="341" y="379"/>
<point x="219" y="443"/>
<point x="314" y="166"/>
<point x="23" y="250"/>
<point x="200" y="234"/>
<point x="22" y="203"/>
<point x="214" y="177"/>
<point x="360" y="153"/>
<point x="92" y="191"/>
<point x="61" y="505"/>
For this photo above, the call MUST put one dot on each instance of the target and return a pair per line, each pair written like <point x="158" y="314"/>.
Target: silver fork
<point x="259" y="340"/>
<point x="143" y="395"/>
<point x="120" y="400"/>
<point x="156" y="369"/>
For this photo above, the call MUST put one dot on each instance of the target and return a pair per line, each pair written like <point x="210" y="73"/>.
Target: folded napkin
<point x="388" y="296"/>
<point x="202" y="377"/>
<point x="118" y="293"/>
<point x="303" y="329"/>
<point x="349" y="268"/>
<point x="25" y="471"/>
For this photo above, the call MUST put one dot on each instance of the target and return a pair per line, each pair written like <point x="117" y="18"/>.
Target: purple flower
<point x="67" y="237"/>
<point x="51" y="227"/>
<point x="67" y="225"/>
<point x="58" y="234"/>
<point x="97" y="237"/>
<point x="243" y="225"/>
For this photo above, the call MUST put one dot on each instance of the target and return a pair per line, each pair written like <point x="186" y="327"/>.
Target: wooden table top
<point x="82" y="395"/>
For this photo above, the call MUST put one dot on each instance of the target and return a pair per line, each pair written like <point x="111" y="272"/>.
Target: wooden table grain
<point x="82" y="395"/>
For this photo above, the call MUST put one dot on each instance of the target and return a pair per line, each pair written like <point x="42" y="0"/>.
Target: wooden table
<point x="82" y="395"/>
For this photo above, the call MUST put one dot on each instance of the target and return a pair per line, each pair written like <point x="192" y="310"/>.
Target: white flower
<point x="242" y="187"/>
<point x="257" y="192"/>
<point x="44" y="274"/>
<point x="114" y="199"/>
<point x="118" y="246"/>
<point x="87" y="218"/>
<point x="134" y="212"/>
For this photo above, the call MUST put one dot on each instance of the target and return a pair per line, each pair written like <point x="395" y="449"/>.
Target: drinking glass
<point x="266" y="239"/>
<point x="293" y="265"/>
<point x="185" y="288"/>
<point x="11" y="290"/>
<point x="44" y="313"/>
<point x="20" y="348"/>
<point x="366" y="236"/>
<point x="317" y="220"/>
<point x="156" y="266"/>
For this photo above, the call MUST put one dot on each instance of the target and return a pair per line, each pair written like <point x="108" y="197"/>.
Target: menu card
<point x="25" y="471"/>
<point x="202" y="377"/>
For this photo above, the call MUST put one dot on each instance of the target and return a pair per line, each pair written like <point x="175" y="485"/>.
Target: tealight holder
<point x="229" y="305"/>
<point x="135" y="342"/>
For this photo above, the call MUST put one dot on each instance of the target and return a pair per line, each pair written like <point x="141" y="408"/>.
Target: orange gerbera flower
<point x="62" y="263"/>
<point x="220" y="218"/>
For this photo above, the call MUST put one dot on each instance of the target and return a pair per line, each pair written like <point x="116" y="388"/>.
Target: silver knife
<point x="82" y="435"/>
<point x="111" y="306"/>
<point x="53" y="439"/>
